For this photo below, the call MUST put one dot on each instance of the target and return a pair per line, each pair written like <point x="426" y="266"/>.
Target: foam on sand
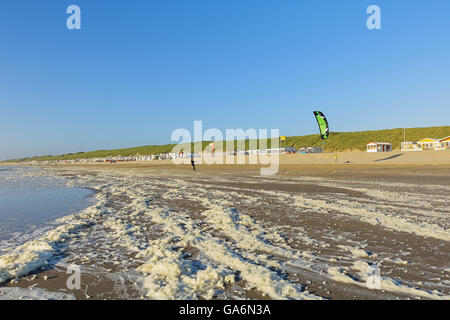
<point x="170" y="274"/>
<point x="398" y="218"/>
<point x="200" y="252"/>
<point x="33" y="294"/>
<point x="361" y="277"/>
<point x="36" y="253"/>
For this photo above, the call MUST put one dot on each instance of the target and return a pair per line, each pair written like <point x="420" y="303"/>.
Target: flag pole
<point x="404" y="139"/>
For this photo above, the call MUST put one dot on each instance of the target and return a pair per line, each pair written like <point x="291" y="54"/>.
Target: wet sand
<point x="313" y="228"/>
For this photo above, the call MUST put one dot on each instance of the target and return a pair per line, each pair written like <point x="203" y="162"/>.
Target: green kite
<point x="323" y="124"/>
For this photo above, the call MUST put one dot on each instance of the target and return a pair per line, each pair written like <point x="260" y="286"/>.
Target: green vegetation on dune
<point x="338" y="141"/>
<point x="346" y="141"/>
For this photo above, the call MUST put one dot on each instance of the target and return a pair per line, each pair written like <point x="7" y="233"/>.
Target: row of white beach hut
<point x="167" y="156"/>
<point x="421" y="145"/>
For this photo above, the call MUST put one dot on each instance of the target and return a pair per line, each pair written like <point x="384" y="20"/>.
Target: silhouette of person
<point x="193" y="163"/>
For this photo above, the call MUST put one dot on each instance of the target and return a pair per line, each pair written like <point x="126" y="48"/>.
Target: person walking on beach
<point x="193" y="163"/>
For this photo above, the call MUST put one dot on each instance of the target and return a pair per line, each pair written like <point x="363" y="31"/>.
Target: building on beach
<point x="445" y="142"/>
<point x="427" y="144"/>
<point x="379" y="147"/>
<point x="306" y="150"/>
<point x="410" y="146"/>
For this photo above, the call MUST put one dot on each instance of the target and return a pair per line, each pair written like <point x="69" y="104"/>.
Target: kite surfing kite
<point x="323" y="124"/>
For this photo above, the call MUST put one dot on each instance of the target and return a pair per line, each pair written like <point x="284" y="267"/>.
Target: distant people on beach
<point x="193" y="163"/>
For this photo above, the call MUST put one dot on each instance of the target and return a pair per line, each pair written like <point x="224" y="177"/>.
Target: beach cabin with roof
<point x="427" y="144"/>
<point x="430" y="144"/>
<point x="379" y="147"/>
<point x="445" y="142"/>
<point x="410" y="146"/>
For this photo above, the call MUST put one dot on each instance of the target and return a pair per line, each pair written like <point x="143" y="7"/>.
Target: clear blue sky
<point x="139" y="69"/>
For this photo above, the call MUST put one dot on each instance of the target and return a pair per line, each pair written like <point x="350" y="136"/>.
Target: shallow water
<point x="29" y="202"/>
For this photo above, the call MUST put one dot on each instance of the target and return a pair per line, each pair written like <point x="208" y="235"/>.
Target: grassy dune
<point x="348" y="141"/>
<point x="338" y="141"/>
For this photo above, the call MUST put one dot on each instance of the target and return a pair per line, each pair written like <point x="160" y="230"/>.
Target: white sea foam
<point x="370" y="213"/>
<point x="16" y="293"/>
<point x="36" y="253"/>
<point x="199" y="257"/>
<point x="361" y="276"/>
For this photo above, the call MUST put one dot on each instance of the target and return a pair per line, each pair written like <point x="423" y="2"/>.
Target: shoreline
<point x="432" y="166"/>
<point x="441" y="157"/>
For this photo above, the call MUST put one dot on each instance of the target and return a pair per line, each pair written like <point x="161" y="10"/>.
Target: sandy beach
<point x="371" y="226"/>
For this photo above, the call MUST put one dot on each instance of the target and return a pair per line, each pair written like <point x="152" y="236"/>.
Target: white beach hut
<point x="379" y="147"/>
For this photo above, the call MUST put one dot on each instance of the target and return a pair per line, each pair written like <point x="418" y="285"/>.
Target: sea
<point x="30" y="203"/>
